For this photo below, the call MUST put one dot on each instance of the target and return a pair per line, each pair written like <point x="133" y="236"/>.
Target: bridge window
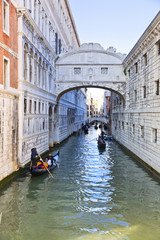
<point x="154" y="135"/>
<point x="77" y="71"/>
<point x="157" y="87"/>
<point x="104" y="70"/>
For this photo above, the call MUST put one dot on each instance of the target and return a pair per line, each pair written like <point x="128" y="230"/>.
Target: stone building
<point x="29" y="113"/>
<point x="8" y="88"/>
<point x="46" y="29"/>
<point x="136" y="121"/>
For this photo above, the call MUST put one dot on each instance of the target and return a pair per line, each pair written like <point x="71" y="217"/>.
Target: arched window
<point x="35" y="68"/>
<point x="50" y="111"/>
<point x="39" y="72"/>
<point x="56" y="43"/>
<point x="43" y="75"/>
<point x="26" y="62"/>
<point x="60" y="46"/>
<point x="50" y="79"/>
<point x="31" y="66"/>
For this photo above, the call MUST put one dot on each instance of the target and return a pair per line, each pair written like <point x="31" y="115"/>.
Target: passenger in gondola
<point x="50" y="160"/>
<point x="34" y="154"/>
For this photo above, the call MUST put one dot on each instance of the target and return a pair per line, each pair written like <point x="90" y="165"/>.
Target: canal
<point x="95" y="195"/>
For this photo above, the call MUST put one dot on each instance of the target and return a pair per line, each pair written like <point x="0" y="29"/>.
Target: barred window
<point x="104" y="70"/>
<point x="77" y="71"/>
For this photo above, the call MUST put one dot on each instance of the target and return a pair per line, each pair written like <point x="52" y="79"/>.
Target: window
<point x="133" y="129"/>
<point x="158" y="48"/>
<point x="6" y="17"/>
<point x="157" y="87"/>
<point x="25" y="106"/>
<point x="129" y="72"/>
<point x="144" y="91"/>
<point x="142" y="131"/>
<point x="60" y="46"/>
<point x="104" y="70"/>
<point x="77" y="71"/>
<point x="39" y="107"/>
<point x="35" y="106"/>
<point x="135" y="95"/>
<point x="30" y="106"/>
<point x="56" y="43"/>
<point x="154" y="135"/>
<point x="136" y="67"/>
<point x="6" y="76"/>
<point x="145" y="59"/>
<point x="123" y="125"/>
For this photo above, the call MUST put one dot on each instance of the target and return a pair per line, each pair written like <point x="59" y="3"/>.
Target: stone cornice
<point x="150" y="33"/>
<point x="5" y="47"/>
<point x="25" y="12"/>
<point x="72" y="21"/>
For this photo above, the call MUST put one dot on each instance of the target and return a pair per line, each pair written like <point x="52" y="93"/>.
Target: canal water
<point x="95" y="195"/>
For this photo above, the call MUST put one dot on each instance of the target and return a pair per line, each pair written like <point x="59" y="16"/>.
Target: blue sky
<point x="117" y="23"/>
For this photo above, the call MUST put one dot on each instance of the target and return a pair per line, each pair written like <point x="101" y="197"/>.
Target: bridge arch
<point x="103" y="120"/>
<point x="90" y="66"/>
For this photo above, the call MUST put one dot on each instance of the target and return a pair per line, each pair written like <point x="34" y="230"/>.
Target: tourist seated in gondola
<point x="50" y="160"/>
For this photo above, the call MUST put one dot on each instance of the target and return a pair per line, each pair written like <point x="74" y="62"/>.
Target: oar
<point x="45" y="166"/>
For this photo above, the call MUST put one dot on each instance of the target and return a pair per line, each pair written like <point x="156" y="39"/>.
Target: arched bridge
<point x="98" y="119"/>
<point x="90" y="66"/>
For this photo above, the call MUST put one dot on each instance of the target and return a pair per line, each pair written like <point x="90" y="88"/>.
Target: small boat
<point x="39" y="170"/>
<point x="101" y="143"/>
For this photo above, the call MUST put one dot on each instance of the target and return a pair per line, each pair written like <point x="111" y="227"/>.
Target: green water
<point x="94" y="195"/>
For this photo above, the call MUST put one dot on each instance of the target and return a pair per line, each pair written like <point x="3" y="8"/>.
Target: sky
<point x="117" y="23"/>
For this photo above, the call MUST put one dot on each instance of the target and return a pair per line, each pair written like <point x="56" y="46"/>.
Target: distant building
<point x="107" y="103"/>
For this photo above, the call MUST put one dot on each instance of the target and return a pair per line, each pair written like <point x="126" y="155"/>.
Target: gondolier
<point x="34" y="154"/>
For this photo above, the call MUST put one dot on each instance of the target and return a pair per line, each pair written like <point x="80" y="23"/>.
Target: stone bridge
<point x="90" y="66"/>
<point x="98" y="119"/>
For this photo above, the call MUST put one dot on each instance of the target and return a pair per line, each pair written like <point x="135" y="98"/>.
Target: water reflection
<point x="94" y="195"/>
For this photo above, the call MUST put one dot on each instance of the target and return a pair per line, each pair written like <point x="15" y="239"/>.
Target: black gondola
<point x="101" y="143"/>
<point x="39" y="170"/>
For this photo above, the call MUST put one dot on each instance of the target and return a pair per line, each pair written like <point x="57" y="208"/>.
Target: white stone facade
<point x="90" y="66"/>
<point x="46" y="29"/>
<point x="136" y="122"/>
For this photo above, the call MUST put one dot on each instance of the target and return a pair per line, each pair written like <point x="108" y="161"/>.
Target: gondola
<point x="39" y="170"/>
<point x="101" y="143"/>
